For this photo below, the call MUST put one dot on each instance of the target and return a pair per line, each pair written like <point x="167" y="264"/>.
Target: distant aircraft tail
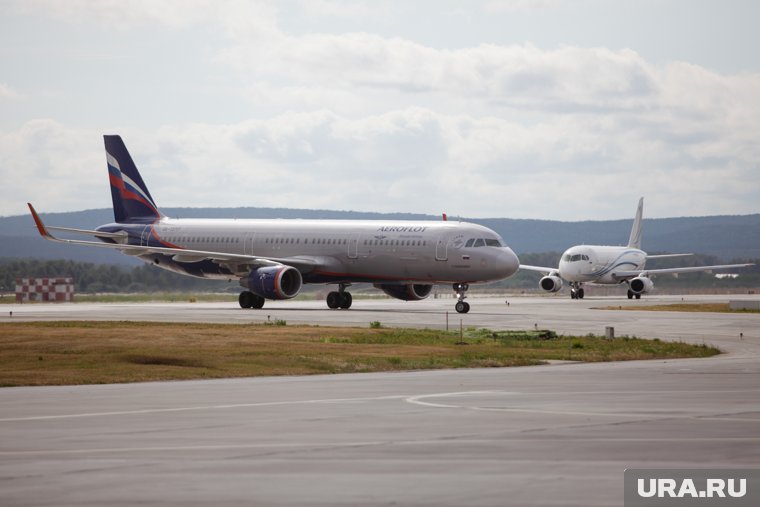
<point x="132" y="201"/>
<point x="634" y="241"/>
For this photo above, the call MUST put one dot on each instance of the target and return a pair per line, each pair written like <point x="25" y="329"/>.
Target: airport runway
<point x="549" y="435"/>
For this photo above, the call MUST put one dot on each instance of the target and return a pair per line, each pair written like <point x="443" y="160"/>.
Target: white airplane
<point x="611" y="265"/>
<point x="272" y="259"/>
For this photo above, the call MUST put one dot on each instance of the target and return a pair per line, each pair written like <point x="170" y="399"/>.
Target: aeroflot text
<point x="390" y="228"/>
<point x="715" y="488"/>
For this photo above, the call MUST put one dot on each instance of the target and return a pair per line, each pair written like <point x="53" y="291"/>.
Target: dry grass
<point x="64" y="353"/>
<point x="683" y="307"/>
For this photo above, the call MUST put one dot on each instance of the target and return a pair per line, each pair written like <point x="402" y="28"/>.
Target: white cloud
<point x="500" y="6"/>
<point x="52" y="166"/>
<point x="367" y="122"/>
<point x="7" y="93"/>
<point x="124" y="16"/>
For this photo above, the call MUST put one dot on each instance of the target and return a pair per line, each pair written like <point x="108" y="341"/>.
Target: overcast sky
<point x="550" y="109"/>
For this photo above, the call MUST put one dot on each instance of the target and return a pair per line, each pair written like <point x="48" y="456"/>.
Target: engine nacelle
<point x="551" y="283"/>
<point x="274" y="282"/>
<point x="409" y="292"/>
<point x="641" y="285"/>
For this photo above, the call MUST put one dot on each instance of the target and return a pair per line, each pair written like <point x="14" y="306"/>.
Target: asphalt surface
<point x="549" y="435"/>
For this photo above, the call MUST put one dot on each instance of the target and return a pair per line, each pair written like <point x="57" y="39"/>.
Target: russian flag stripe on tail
<point x="132" y="201"/>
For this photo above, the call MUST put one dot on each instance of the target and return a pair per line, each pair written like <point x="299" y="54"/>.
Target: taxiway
<point x="548" y="435"/>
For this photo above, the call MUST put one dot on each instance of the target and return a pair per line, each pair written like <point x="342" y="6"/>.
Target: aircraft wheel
<point x="462" y="307"/>
<point x="630" y="294"/>
<point x="245" y="299"/>
<point x="258" y="302"/>
<point x="638" y="296"/>
<point x="573" y="295"/>
<point x="333" y="300"/>
<point x="580" y="294"/>
<point x="346" y="300"/>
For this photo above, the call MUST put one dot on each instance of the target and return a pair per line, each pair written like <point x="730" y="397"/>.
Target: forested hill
<point x="726" y="237"/>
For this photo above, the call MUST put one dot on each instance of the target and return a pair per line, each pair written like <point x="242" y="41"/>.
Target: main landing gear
<point x="248" y="299"/>
<point x="340" y="298"/>
<point x="632" y="294"/>
<point x="462" y="306"/>
<point x="576" y="291"/>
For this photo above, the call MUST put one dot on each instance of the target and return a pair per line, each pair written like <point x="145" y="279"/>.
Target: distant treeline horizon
<point x="111" y="278"/>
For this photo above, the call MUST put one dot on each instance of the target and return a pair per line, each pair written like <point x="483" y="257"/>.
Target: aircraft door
<point x="442" y="249"/>
<point x="353" y="248"/>
<point x="145" y="237"/>
<point x="248" y="245"/>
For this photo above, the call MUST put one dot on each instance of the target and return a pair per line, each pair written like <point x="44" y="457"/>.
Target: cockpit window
<point x="576" y="258"/>
<point x="478" y="242"/>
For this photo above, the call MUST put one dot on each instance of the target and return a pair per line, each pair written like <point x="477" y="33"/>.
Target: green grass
<point x="61" y="353"/>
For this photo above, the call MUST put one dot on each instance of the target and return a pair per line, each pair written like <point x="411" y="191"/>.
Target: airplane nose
<point x="508" y="262"/>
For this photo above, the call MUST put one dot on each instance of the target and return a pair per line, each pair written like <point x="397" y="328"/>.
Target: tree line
<point x="92" y="278"/>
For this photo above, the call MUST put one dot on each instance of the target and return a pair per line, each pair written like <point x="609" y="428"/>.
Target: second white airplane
<point x="272" y="259"/>
<point x="611" y="265"/>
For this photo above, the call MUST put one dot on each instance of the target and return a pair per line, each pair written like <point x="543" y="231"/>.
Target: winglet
<point x="40" y="226"/>
<point x="634" y="241"/>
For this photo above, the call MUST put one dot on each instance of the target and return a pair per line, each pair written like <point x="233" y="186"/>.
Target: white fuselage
<point x="598" y="264"/>
<point x="377" y="251"/>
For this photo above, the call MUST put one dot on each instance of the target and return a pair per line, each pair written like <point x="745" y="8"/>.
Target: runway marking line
<point x="368" y="443"/>
<point x="416" y="400"/>
<point x="200" y="407"/>
<point x="413" y="399"/>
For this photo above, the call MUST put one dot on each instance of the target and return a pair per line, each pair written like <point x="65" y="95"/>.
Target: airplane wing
<point x="99" y="234"/>
<point x="303" y="264"/>
<point x="666" y="256"/>
<point x="539" y="269"/>
<point x="624" y="275"/>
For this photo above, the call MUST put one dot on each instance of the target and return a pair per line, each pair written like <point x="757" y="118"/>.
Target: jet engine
<point x="409" y="292"/>
<point x="274" y="282"/>
<point x="641" y="285"/>
<point x="551" y="283"/>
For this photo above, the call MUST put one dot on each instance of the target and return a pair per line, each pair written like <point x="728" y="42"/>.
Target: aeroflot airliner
<point x="606" y="265"/>
<point x="272" y="259"/>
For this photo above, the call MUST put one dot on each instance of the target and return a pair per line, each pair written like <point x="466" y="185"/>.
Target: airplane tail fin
<point x="634" y="241"/>
<point x="132" y="201"/>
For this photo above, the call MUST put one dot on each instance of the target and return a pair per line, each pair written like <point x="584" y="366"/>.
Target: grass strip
<point x="84" y="352"/>
<point x="683" y="307"/>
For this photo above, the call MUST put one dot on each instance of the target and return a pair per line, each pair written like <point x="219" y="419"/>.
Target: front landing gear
<point x="248" y="299"/>
<point x="340" y="298"/>
<point x="576" y="291"/>
<point x="462" y="306"/>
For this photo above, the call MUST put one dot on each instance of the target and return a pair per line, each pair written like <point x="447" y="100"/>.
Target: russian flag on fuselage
<point x="132" y="201"/>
